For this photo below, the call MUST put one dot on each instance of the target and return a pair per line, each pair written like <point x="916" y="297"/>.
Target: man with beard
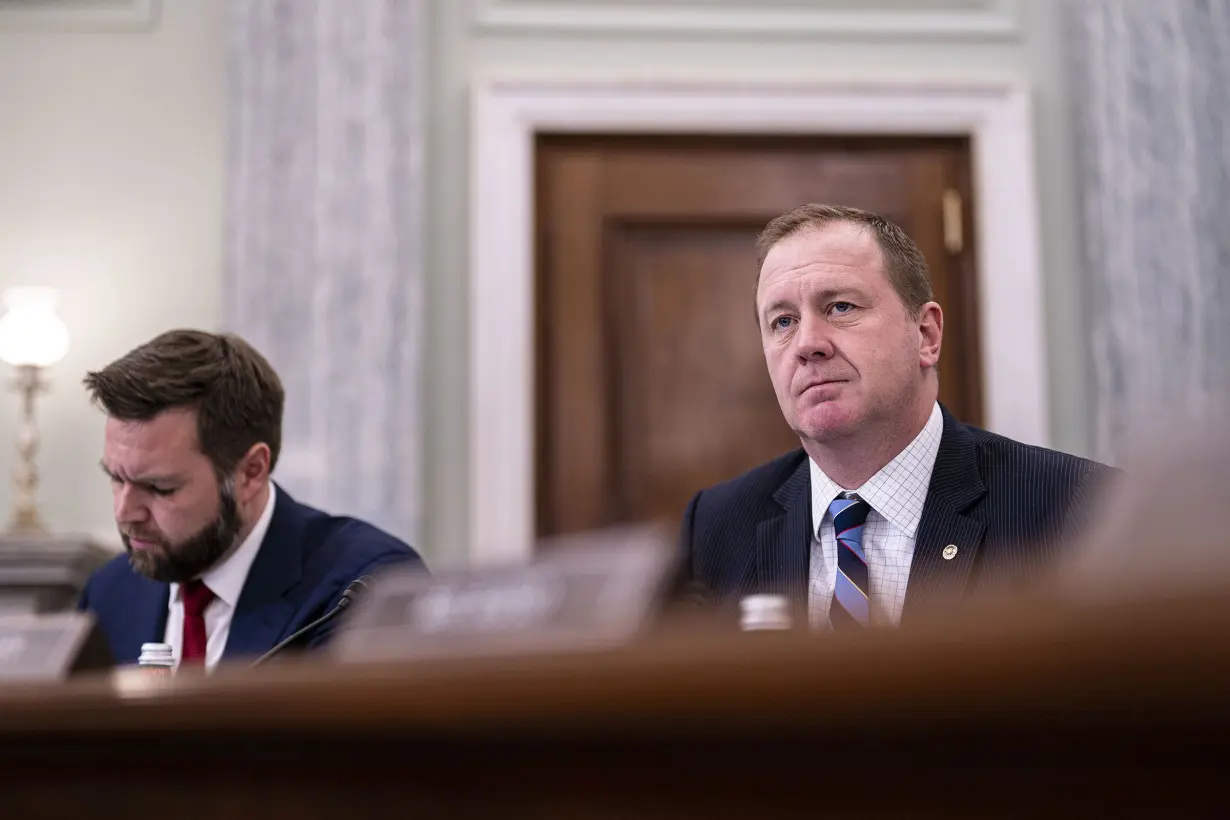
<point x="891" y="505"/>
<point x="221" y="563"/>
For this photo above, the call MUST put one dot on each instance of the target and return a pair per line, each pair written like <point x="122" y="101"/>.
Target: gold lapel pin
<point x="950" y="552"/>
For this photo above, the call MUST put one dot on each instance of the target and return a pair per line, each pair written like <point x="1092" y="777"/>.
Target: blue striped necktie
<point x="851" y="607"/>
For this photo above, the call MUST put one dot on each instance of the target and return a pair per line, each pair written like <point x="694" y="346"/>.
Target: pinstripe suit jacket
<point x="1010" y="509"/>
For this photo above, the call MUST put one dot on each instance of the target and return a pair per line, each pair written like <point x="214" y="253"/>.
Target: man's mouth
<point x="824" y="383"/>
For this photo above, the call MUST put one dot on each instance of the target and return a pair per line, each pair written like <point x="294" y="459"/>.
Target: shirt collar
<point x="227" y="577"/>
<point x="898" y="491"/>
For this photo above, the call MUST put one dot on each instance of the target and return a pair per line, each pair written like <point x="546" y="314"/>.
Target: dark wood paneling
<point x="690" y="378"/>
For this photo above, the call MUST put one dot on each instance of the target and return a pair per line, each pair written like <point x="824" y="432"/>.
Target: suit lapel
<point x="264" y="609"/>
<point x="146" y="618"/>
<point x="783" y="542"/>
<point x="948" y="539"/>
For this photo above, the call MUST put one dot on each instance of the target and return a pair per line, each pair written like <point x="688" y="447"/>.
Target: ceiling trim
<point x="987" y="20"/>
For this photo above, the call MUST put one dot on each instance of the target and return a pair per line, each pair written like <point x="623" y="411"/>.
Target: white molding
<point x="506" y="116"/>
<point x="988" y="20"/>
<point x="78" y="15"/>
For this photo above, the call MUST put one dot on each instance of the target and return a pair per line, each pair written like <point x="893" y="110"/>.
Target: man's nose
<point x="814" y="339"/>
<point x="129" y="505"/>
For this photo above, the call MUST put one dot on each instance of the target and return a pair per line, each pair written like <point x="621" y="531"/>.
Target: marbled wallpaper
<point x="1151" y="81"/>
<point x="324" y="231"/>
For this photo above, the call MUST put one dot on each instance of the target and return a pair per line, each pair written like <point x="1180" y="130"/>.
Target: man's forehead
<point x="173" y="431"/>
<point x="844" y="253"/>
<point x="839" y="244"/>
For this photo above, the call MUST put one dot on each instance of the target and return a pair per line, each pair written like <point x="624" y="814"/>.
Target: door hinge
<point x="954" y="234"/>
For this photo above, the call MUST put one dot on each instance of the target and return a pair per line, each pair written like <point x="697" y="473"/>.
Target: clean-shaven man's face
<point x="841" y="347"/>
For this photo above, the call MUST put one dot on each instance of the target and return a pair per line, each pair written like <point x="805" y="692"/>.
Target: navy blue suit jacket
<point x="305" y="562"/>
<point x="1009" y="508"/>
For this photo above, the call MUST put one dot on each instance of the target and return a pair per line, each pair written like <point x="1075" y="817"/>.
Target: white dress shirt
<point x="226" y="579"/>
<point x="896" y="494"/>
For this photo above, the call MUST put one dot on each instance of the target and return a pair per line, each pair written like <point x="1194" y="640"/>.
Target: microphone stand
<point x="348" y="596"/>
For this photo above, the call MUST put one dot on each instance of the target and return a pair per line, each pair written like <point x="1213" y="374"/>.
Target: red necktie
<point x="196" y="597"/>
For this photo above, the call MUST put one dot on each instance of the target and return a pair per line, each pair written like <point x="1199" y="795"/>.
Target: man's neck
<point x="252" y="514"/>
<point x="852" y="461"/>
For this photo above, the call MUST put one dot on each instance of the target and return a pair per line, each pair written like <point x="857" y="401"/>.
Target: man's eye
<point x="781" y="322"/>
<point x="162" y="491"/>
<point x="842" y="307"/>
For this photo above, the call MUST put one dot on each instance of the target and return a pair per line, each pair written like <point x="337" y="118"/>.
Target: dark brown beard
<point x="180" y="563"/>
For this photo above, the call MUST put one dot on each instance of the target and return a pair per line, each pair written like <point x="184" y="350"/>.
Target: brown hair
<point x="903" y="261"/>
<point x="236" y="393"/>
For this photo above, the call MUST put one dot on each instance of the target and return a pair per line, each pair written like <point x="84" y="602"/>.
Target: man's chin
<point x="149" y="562"/>
<point x="826" y="422"/>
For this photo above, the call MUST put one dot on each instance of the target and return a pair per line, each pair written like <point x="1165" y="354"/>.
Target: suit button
<point x="950" y="552"/>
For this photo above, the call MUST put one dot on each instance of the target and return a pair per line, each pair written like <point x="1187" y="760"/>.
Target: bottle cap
<point x="765" y="612"/>
<point x="156" y="654"/>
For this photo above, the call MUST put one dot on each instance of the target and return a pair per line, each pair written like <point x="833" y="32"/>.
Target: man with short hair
<point x="891" y="503"/>
<point x="221" y="563"/>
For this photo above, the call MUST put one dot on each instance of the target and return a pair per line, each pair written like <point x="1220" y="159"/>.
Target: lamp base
<point x="26" y="521"/>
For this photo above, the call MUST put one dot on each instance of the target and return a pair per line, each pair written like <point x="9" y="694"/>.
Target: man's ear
<point x="930" y="334"/>
<point x="253" y="469"/>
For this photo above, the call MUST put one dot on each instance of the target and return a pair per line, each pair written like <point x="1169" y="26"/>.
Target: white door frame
<point x="507" y="114"/>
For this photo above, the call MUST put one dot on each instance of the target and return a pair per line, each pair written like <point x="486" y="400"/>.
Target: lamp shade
<point x="30" y="331"/>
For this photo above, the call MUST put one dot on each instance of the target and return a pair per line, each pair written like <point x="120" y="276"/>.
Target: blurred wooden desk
<point x="1120" y="712"/>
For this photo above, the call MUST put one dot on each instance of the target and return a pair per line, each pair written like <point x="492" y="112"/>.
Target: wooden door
<point x="651" y="382"/>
